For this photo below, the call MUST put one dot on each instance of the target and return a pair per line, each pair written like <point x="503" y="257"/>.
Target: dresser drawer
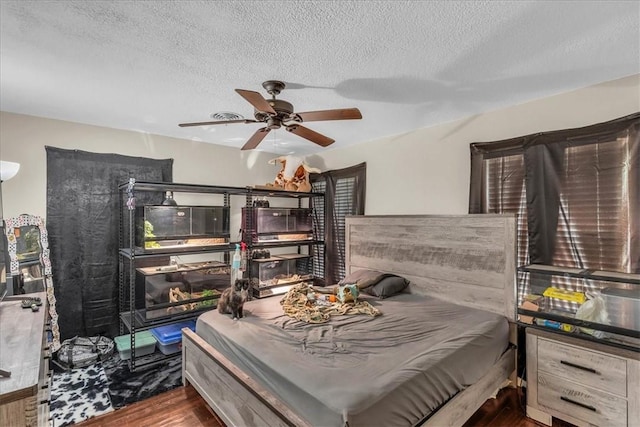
<point x="584" y="403"/>
<point x="589" y="368"/>
<point x="43" y="415"/>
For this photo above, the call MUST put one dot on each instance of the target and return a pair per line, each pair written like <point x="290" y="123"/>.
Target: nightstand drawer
<point x="589" y="368"/>
<point x="584" y="403"/>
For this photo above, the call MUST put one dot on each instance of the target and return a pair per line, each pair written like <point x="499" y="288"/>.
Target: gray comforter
<point x="390" y="370"/>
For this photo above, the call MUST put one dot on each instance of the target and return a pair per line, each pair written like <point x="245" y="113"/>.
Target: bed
<point x="442" y="346"/>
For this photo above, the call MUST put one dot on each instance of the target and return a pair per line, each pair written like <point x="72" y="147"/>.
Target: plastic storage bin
<point x="169" y="337"/>
<point x="145" y="344"/>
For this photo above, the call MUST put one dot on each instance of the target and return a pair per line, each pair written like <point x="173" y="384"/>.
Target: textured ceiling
<point x="149" y="65"/>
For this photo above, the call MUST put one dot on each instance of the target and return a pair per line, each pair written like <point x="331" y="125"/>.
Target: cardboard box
<point x="527" y="305"/>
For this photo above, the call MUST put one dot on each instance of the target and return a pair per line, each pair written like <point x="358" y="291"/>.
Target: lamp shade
<point x="8" y="170"/>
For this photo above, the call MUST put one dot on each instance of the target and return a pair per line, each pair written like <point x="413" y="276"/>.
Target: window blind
<point x="343" y="205"/>
<point x="594" y="207"/>
<point x="505" y="193"/>
<point x="318" y="186"/>
<point x="595" y="174"/>
<point x="344" y="195"/>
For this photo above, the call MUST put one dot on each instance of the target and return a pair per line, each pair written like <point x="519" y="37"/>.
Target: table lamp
<point x="7" y="171"/>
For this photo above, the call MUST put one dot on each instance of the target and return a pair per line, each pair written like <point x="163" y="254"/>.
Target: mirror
<point x="6" y="287"/>
<point x="29" y="265"/>
<point x="30" y="276"/>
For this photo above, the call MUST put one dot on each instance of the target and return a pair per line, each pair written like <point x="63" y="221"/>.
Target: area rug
<point x="83" y="393"/>
<point x="79" y="394"/>
<point x="126" y="387"/>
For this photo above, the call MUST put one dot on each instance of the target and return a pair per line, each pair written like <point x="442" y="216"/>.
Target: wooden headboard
<point x="465" y="259"/>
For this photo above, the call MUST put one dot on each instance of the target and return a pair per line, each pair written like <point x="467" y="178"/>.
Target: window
<point x="576" y="193"/>
<point x="344" y="195"/>
<point x="593" y="226"/>
<point x="319" y="186"/>
<point x="505" y="193"/>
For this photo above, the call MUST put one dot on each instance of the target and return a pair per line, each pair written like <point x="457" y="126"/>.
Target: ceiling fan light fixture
<point x="226" y="115"/>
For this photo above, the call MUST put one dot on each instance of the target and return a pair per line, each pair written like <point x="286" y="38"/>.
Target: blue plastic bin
<point x="169" y="337"/>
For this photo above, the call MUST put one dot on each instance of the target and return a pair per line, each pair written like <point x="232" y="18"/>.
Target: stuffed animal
<point x="348" y="293"/>
<point x="293" y="175"/>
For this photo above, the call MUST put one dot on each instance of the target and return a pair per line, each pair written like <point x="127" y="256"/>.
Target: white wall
<point x="427" y="171"/>
<point x="423" y="171"/>
<point x="23" y="140"/>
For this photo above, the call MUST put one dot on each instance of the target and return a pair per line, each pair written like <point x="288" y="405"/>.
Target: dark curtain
<point x="481" y="152"/>
<point x="543" y="181"/>
<point x="345" y="191"/>
<point x="83" y="214"/>
<point x="582" y="185"/>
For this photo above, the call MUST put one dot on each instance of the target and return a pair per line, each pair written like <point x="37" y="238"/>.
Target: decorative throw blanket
<point x="296" y="305"/>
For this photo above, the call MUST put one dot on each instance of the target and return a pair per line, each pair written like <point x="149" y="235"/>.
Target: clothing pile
<point x="298" y="305"/>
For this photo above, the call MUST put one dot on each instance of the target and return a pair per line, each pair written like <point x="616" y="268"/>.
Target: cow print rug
<point x="79" y="394"/>
<point x="83" y="393"/>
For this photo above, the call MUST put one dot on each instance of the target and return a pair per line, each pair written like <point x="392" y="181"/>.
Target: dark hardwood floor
<point x="184" y="407"/>
<point x="507" y="410"/>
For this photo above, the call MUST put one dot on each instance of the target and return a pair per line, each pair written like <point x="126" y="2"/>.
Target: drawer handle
<point x="584" y="368"/>
<point x="589" y="407"/>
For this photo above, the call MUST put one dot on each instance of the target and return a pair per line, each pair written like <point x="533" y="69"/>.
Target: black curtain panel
<point x="83" y="214"/>
<point x="543" y="179"/>
<point x="345" y="191"/>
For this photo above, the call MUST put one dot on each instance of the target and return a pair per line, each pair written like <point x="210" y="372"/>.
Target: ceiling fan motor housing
<point x="283" y="108"/>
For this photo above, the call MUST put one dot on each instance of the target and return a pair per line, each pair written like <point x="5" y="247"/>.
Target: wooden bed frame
<point x="465" y="259"/>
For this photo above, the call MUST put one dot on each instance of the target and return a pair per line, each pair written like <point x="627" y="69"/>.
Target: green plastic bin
<point x="145" y="344"/>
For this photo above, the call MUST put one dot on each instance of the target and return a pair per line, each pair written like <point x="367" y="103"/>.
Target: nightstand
<point x="580" y="381"/>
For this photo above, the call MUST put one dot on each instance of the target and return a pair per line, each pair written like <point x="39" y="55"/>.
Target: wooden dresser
<point x="582" y="382"/>
<point x="25" y="395"/>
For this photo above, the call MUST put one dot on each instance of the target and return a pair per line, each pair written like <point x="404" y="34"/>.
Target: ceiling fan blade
<point x="255" y="99"/>
<point x="311" y="135"/>
<point x="219" y="122"/>
<point x="256" y="139"/>
<point x="340" y="114"/>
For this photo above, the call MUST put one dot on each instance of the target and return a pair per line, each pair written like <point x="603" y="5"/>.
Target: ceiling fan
<point x="276" y="113"/>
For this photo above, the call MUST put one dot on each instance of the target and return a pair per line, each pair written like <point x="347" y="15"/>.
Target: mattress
<point x="392" y="369"/>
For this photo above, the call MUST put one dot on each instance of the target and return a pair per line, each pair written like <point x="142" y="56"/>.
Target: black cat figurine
<point x="233" y="298"/>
